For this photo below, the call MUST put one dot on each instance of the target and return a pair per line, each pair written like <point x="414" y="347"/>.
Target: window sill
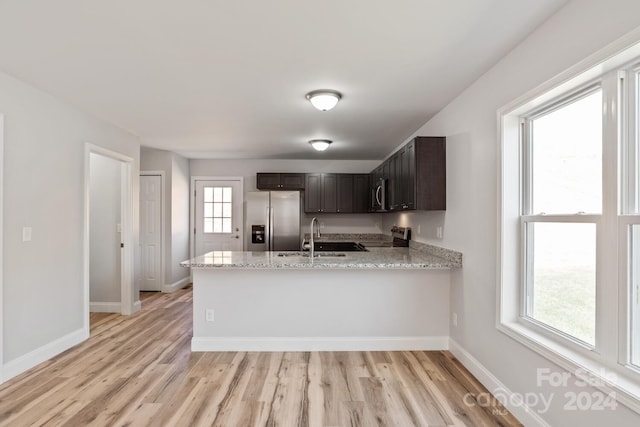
<point x="624" y="384"/>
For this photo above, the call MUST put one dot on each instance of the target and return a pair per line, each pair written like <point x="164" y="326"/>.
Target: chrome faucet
<point x="311" y="232"/>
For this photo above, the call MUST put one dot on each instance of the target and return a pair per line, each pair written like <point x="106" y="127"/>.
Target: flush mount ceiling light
<point x="320" y="144"/>
<point x="324" y="99"/>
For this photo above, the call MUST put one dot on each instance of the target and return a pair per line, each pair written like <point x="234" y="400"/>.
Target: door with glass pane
<point x="218" y="216"/>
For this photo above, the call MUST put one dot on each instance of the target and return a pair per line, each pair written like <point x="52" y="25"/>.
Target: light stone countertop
<point x="387" y="258"/>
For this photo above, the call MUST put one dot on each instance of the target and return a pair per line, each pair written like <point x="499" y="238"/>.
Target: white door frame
<point x="1" y="246"/>
<point x="128" y="252"/>
<point x="192" y="207"/>
<point x="163" y="221"/>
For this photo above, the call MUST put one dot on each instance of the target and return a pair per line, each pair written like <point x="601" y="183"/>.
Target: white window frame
<point x="528" y="218"/>
<point x="630" y="215"/>
<point x="610" y="353"/>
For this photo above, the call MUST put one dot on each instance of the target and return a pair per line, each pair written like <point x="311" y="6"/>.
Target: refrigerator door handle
<point x="271" y="229"/>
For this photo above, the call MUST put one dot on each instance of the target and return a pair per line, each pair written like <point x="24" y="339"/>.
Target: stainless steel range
<point x="401" y="236"/>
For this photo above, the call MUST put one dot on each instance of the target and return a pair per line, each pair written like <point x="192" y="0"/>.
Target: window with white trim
<point x="569" y="265"/>
<point x="217" y="209"/>
<point x="562" y="203"/>
<point x="631" y="216"/>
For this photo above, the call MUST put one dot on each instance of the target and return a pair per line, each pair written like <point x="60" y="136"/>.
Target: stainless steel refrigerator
<point x="272" y="221"/>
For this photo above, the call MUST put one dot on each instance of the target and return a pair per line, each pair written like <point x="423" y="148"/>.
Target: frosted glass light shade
<point x="324" y="100"/>
<point x="320" y="144"/>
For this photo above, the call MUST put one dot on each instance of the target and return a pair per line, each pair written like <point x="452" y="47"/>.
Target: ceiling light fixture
<point x="324" y="99"/>
<point x="320" y="144"/>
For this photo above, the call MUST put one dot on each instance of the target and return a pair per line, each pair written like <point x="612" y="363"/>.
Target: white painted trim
<point x="137" y="306"/>
<point x="319" y="343"/>
<point x="163" y="220"/>
<point x="2" y="376"/>
<point x="177" y="285"/>
<point x="192" y="210"/>
<point x="624" y="387"/>
<point x="522" y="412"/>
<point x="128" y="254"/>
<point x="42" y="354"/>
<point x="105" y="307"/>
<point x="507" y="317"/>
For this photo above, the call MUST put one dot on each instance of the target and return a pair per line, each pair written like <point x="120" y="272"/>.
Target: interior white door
<point x="151" y="232"/>
<point x="218" y="216"/>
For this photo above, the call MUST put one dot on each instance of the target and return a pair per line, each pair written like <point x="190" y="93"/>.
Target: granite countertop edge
<point x="420" y="257"/>
<point x="325" y="266"/>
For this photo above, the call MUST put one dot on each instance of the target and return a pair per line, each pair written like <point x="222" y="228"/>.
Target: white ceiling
<point x="227" y="78"/>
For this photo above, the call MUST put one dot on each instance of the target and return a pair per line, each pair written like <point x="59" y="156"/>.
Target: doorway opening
<point x="108" y="242"/>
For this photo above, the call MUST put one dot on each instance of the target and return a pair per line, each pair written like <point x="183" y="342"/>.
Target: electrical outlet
<point x="439" y="232"/>
<point x="418" y="229"/>
<point x="454" y="319"/>
<point x="26" y="234"/>
<point x="209" y="315"/>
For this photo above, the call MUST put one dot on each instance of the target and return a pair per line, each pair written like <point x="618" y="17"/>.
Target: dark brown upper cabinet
<point x="344" y="193"/>
<point x="320" y="193"/>
<point x="419" y="175"/>
<point x="280" y="181"/>
<point x="416" y="176"/>
<point x="361" y="193"/>
<point x="336" y="193"/>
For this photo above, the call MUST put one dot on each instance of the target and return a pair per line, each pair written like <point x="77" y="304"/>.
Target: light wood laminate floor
<point x="139" y="370"/>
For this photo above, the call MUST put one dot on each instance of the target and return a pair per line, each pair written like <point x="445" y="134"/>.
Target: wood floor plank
<point x="139" y="371"/>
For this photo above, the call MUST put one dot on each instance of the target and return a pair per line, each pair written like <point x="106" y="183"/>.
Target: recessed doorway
<point x="108" y="253"/>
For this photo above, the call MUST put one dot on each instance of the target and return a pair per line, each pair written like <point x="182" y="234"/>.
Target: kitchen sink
<point x="338" y="246"/>
<point x="316" y="255"/>
<point x="286" y="254"/>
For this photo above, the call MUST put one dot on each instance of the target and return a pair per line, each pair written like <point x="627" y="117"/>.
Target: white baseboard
<point x="521" y="411"/>
<point x="105" y="307"/>
<point x="177" y="285"/>
<point x="318" y="344"/>
<point x="23" y="363"/>
<point x="137" y="306"/>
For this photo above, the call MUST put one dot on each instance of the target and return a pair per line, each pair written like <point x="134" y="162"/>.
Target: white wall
<point x="330" y="223"/>
<point x="365" y="307"/>
<point x="44" y="189"/>
<point x="470" y="222"/>
<point x="180" y="182"/>
<point x="176" y="202"/>
<point x="105" y="215"/>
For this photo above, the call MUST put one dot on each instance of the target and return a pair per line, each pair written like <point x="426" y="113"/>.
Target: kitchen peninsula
<point x="383" y="299"/>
